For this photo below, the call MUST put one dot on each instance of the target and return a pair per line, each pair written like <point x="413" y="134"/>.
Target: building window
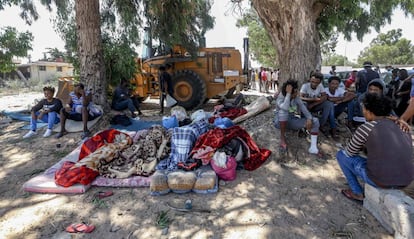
<point x="42" y="68"/>
<point x="59" y="68"/>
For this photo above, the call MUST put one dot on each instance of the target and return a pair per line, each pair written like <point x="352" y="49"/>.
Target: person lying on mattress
<point x="79" y="108"/>
<point x="47" y="111"/>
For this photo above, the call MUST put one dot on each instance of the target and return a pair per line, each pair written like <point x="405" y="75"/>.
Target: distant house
<point x="44" y="70"/>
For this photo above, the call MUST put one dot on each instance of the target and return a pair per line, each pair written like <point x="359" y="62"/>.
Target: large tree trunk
<point x="292" y="28"/>
<point x="92" y="67"/>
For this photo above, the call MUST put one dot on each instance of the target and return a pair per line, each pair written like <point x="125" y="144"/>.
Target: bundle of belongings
<point x="188" y="154"/>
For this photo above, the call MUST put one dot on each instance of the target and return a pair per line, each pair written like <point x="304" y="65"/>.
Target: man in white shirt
<point x="313" y="93"/>
<point x="342" y="99"/>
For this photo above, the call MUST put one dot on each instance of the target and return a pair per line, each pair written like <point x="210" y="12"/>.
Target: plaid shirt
<point x="182" y="142"/>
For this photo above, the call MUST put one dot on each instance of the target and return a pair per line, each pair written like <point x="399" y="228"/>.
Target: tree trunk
<point x="293" y="31"/>
<point x="92" y="67"/>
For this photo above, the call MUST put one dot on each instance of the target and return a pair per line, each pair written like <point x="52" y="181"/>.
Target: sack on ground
<point x="159" y="183"/>
<point x="206" y="182"/>
<point x="121" y="120"/>
<point x="170" y="101"/>
<point x="181" y="182"/>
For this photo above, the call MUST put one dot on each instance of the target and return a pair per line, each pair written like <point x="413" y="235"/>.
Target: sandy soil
<point x="297" y="196"/>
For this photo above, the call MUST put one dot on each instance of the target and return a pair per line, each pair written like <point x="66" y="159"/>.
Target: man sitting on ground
<point x="122" y="100"/>
<point x="388" y="163"/>
<point x="47" y="111"/>
<point x="342" y="99"/>
<point x="313" y="93"/>
<point x="79" y="108"/>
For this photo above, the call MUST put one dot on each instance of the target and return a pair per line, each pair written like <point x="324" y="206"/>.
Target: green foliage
<point x="163" y="220"/>
<point x="13" y="43"/>
<point x="260" y="45"/>
<point x="119" y="59"/>
<point x="337" y="60"/>
<point x="179" y="22"/>
<point x="388" y="49"/>
<point x="358" y="16"/>
<point x="117" y="42"/>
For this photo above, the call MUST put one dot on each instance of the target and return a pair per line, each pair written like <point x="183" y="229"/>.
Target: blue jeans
<point x="295" y="123"/>
<point x="127" y="103"/>
<point x="339" y="108"/>
<point x="354" y="167"/>
<point x="49" y="118"/>
<point x="327" y="109"/>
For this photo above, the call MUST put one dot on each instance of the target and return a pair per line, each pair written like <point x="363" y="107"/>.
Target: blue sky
<point x="225" y="33"/>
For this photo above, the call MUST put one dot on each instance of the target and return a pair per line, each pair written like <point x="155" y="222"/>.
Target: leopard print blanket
<point x="141" y="157"/>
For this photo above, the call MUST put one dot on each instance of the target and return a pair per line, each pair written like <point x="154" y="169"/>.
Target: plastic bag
<point x="170" y="101"/>
<point x="169" y="122"/>
<point x="179" y="112"/>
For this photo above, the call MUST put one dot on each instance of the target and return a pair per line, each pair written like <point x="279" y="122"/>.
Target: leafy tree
<point x="54" y="53"/>
<point x="171" y="22"/>
<point x="389" y="49"/>
<point x="337" y="60"/>
<point x="259" y="41"/>
<point x="119" y="55"/>
<point x="13" y="43"/>
<point x="297" y="27"/>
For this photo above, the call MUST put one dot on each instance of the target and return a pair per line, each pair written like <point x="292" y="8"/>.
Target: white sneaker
<point x="313" y="150"/>
<point x="47" y="133"/>
<point x="29" y="134"/>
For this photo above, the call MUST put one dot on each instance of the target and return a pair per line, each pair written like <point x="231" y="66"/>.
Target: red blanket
<point x="230" y="113"/>
<point x="68" y="176"/>
<point x="217" y="138"/>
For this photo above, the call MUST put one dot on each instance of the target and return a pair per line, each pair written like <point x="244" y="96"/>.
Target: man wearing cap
<point x="364" y="77"/>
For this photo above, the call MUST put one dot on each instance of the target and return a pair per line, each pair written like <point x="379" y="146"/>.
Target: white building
<point x="44" y="70"/>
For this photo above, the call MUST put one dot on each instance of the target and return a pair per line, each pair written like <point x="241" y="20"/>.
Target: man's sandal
<point x="283" y="148"/>
<point x="61" y="134"/>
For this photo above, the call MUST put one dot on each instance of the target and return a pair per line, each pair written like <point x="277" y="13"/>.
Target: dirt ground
<point x="297" y="196"/>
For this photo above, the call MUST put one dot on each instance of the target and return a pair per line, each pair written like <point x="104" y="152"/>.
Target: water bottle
<point x="188" y="204"/>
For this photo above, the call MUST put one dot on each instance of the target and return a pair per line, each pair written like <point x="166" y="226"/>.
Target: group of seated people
<point x="330" y="102"/>
<point x="79" y="108"/>
<point x="384" y="139"/>
<point x="51" y="111"/>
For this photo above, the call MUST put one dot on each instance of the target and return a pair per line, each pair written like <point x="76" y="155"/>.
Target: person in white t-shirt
<point x="313" y="93"/>
<point x="342" y="99"/>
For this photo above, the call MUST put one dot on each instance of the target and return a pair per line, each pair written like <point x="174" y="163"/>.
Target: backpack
<point x="121" y="120"/>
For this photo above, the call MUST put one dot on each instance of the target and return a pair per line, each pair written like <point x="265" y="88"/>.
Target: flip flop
<point x="105" y="194"/>
<point x="80" y="228"/>
<point x="351" y="196"/>
<point x="283" y="148"/>
<point x="61" y="134"/>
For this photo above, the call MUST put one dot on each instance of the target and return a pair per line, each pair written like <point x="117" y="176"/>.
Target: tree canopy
<point x="297" y="27"/>
<point x="260" y="45"/>
<point x="12" y="44"/>
<point x="389" y="49"/>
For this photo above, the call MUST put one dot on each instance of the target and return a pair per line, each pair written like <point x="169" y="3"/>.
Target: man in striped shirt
<point x="388" y="162"/>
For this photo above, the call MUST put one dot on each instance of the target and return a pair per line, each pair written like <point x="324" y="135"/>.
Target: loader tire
<point x="189" y="89"/>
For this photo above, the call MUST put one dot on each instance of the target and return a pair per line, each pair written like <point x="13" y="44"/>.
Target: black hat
<point x="367" y="64"/>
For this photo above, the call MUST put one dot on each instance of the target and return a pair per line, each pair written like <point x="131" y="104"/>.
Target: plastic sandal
<point x="61" y="134"/>
<point x="283" y="148"/>
<point x="80" y="228"/>
<point x="105" y="194"/>
<point x="86" y="134"/>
